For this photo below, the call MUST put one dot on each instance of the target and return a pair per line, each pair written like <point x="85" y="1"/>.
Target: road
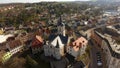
<point x="93" y="63"/>
<point x="95" y="49"/>
<point x="93" y="56"/>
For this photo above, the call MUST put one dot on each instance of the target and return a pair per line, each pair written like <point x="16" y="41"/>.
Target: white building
<point x="55" y="45"/>
<point x="55" y="48"/>
<point x="3" y="38"/>
<point x="14" y="46"/>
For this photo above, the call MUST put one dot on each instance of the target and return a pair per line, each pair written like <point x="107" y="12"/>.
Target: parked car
<point x="99" y="63"/>
<point x="99" y="59"/>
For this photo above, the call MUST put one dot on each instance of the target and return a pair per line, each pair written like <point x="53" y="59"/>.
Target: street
<point x="93" y="57"/>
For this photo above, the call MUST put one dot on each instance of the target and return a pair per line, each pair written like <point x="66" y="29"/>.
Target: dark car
<point x="99" y="59"/>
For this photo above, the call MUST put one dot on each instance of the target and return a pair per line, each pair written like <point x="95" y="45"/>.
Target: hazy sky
<point x="31" y="1"/>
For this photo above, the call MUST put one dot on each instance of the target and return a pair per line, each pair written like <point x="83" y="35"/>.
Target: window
<point x="75" y="43"/>
<point x="80" y="44"/>
<point x="83" y="41"/>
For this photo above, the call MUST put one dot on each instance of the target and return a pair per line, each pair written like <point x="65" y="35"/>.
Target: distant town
<point x="60" y="35"/>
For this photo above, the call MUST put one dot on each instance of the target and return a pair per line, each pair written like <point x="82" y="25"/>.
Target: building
<point x="96" y="38"/>
<point x="6" y="57"/>
<point x="77" y="47"/>
<point x="14" y="46"/>
<point x="61" y="27"/>
<point x="3" y="38"/>
<point x="1" y="31"/>
<point x="110" y="47"/>
<point x="118" y="9"/>
<point x="37" y="44"/>
<point x="111" y="13"/>
<point x="55" y="46"/>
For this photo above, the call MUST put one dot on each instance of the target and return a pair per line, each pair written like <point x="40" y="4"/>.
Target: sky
<point x="32" y="1"/>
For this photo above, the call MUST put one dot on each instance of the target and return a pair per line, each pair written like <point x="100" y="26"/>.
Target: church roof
<point x="58" y="40"/>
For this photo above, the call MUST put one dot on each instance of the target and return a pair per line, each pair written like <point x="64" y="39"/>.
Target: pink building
<point x="79" y="43"/>
<point x="77" y="47"/>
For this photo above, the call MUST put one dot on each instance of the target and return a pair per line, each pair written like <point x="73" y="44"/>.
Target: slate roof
<point x="58" y="40"/>
<point x="64" y="39"/>
<point x="52" y="37"/>
<point x="117" y="26"/>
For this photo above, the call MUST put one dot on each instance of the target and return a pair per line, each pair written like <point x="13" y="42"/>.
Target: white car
<point x="99" y="63"/>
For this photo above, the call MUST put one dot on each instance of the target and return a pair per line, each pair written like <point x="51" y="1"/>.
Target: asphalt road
<point x="93" y="57"/>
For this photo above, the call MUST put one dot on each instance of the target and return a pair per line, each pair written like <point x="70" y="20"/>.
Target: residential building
<point x="96" y="38"/>
<point x="110" y="47"/>
<point x="4" y="56"/>
<point x="77" y="47"/>
<point x="111" y="13"/>
<point x="14" y="46"/>
<point x="118" y="9"/>
<point x="3" y="38"/>
<point x="86" y="32"/>
<point x="37" y="44"/>
<point x="1" y="31"/>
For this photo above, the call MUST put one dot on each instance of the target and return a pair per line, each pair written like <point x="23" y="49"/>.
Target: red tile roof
<point x="77" y="44"/>
<point x="15" y="43"/>
<point x="37" y="42"/>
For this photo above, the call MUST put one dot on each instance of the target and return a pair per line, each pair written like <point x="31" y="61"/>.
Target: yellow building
<point x="4" y="56"/>
<point x="1" y="31"/>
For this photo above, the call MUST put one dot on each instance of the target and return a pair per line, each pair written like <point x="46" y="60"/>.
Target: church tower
<point x="61" y="27"/>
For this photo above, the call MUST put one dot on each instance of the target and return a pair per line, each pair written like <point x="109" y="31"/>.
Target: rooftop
<point x="15" y="43"/>
<point x="3" y="38"/>
<point x="37" y="42"/>
<point x="112" y="44"/>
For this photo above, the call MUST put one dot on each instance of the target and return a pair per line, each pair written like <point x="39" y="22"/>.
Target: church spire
<point x="59" y="23"/>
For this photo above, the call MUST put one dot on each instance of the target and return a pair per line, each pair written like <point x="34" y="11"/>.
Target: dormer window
<point x="75" y="44"/>
<point x="80" y="44"/>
